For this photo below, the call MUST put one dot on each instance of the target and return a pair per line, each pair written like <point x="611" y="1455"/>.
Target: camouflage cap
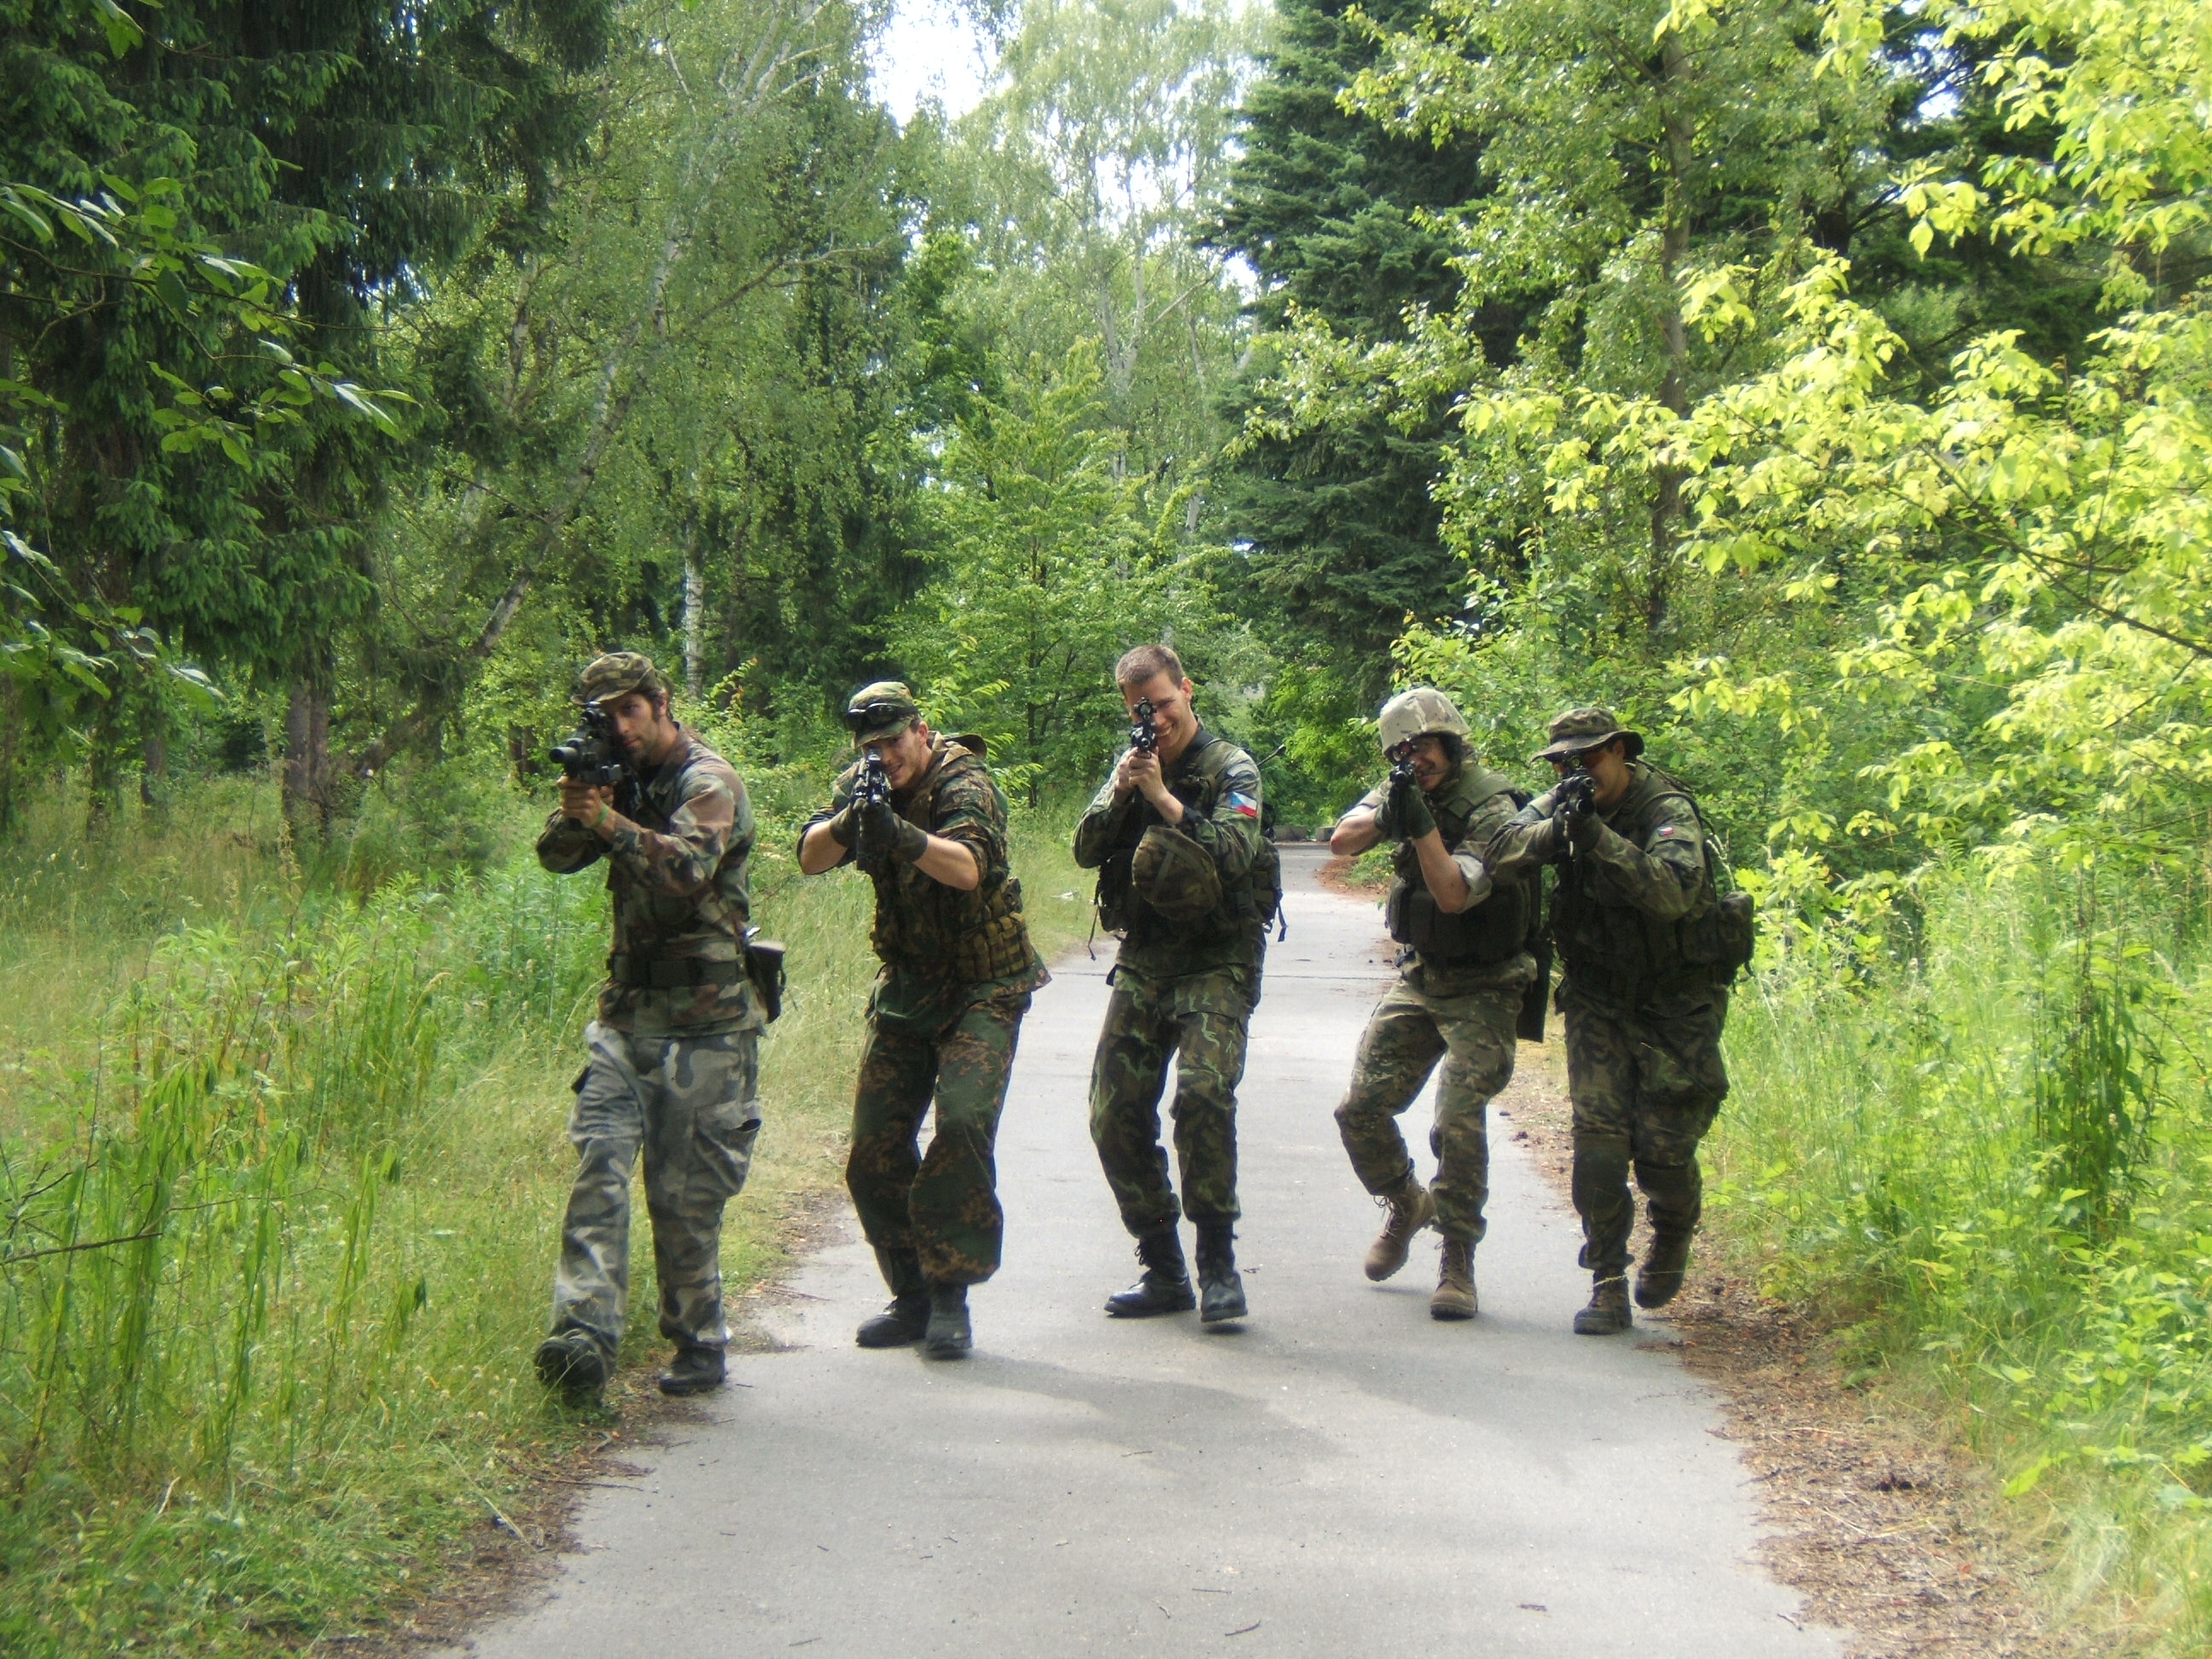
<point x="1174" y="875"/>
<point x="1416" y="712"/>
<point x="616" y="674"/>
<point x="881" y="710"/>
<point x="1586" y="728"/>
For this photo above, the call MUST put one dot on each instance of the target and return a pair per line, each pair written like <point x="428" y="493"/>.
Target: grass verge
<point x="1985" y="1170"/>
<point x="280" y="1173"/>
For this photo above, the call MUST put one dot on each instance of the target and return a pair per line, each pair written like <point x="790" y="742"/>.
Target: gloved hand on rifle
<point x="1407" y="808"/>
<point x="1574" y="811"/>
<point x="885" y="833"/>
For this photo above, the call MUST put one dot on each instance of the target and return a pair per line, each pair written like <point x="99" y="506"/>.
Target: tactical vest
<point x="929" y="928"/>
<point x="1491" y="931"/>
<point x="722" y="906"/>
<point x="1247" y="903"/>
<point x="1619" y="949"/>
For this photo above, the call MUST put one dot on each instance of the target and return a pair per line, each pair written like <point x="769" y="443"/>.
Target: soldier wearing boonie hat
<point x="1649" y="948"/>
<point x="1464" y="973"/>
<point x="958" y="970"/>
<point x="674" y="1061"/>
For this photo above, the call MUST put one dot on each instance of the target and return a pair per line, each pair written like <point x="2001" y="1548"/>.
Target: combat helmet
<point x="1416" y="712"/>
<point x="1174" y="875"/>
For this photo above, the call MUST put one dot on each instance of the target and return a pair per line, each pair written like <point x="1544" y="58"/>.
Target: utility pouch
<point x="764" y="968"/>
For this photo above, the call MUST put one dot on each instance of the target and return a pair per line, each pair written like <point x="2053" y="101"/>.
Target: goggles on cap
<point x="870" y="714"/>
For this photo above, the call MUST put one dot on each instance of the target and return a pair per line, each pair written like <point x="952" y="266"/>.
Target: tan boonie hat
<point x="1587" y="728"/>
<point x="616" y="674"/>
<point x="1176" y="876"/>
<point x="1416" y="712"/>
<point x="881" y="710"/>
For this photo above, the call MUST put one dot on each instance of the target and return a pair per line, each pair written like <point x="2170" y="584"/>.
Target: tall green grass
<point x="1990" y="1166"/>
<point x="281" y="1170"/>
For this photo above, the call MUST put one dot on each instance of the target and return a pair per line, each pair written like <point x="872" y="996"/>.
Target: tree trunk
<point x="307" y="763"/>
<point x="695" y="604"/>
<point x="154" y="776"/>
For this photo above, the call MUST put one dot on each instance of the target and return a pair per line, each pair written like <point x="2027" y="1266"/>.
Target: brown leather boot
<point x="1411" y="1209"/>
<point x="1607" y="1313"/>
<point x="1455" y="1298"/>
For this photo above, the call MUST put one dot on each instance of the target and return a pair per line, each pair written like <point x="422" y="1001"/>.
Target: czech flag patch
<point x="1243" y="807"/>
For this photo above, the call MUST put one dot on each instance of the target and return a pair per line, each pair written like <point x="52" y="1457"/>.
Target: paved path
<point x="1343" y="1477"/>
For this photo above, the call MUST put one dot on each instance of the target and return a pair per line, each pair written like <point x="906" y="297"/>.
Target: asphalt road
<point x="1342" y="1476"/>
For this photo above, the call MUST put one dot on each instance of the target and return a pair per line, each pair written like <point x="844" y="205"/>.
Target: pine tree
<point x="1341" y="530"/>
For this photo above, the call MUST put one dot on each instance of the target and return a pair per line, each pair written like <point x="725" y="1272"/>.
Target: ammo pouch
<point x="764" y="968"/>
<point x="1493" y="931"/>
<point x="671" y="973"/>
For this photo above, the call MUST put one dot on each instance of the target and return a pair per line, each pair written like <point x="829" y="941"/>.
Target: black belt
<point x="671" y="973"/>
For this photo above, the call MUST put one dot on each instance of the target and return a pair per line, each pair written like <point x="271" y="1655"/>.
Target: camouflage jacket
<point x="1218" y="785"/>
<point x="677" y="872"/>
<point x="1631" y="912"/>
<point x="1484" y="947"/>
<point x="939" y="944"/>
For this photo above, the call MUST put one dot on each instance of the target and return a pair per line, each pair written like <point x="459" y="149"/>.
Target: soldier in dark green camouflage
<point x="1187" y="878"/>
<point x="1464" y="971"/>
<point x="1638" y="926"/>
<point x="674" y="1052"/>
<point x="958" y="970"/>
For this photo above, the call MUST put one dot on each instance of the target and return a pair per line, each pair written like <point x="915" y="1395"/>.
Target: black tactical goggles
<point x="871" y="714"/>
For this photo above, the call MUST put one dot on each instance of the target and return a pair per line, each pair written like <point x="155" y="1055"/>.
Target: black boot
<point x="571" y="1361"/>
<point x="949" y="1336"/>
<point x="1675" y="1195"/>
<point x="1165" y="1287"/>
<point x="694" y="1371"/>
<point x="1220" y="1288"/>
<point x="908" y="1316"/>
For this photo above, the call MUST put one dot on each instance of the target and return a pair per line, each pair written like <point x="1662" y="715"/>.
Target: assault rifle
<point x="871" y="789"/>
<point x="1143" y="738"/>
<point x="1576" y="793"/>
<point x="591" y="754"/>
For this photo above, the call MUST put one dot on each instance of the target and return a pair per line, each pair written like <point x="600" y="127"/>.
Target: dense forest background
<point x="1826" y="385"/>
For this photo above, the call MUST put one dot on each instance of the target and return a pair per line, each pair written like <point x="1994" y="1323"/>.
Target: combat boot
<point x="1411" y="1209"/>
<point x="571" y="1362"/>
<point x="1220" y="1287"/>
<point x="908" y="1316"/>
<point x="1676" y="1195"/>
<point x="1660" y="1276"/>
<point x="949" y="1335"/>
<point x="1165" y="1287"/>
<point x="694" y="1371"/>
<point x="1607" y="1313"/>
<point x="1455" y="1298"/>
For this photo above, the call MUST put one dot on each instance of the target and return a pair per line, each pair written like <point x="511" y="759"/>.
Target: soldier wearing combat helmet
<point x="1465" y="971"/>
<point x="1189" y="882"/>
<point x="1650" y="945"/>
<point x="958" y="973"/>
<point x="675" y="1050"/>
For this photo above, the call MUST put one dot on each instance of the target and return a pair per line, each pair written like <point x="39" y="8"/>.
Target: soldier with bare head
<point x="1189" y="881"/>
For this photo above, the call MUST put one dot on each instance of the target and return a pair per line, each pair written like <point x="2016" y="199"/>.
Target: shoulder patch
<point x="1243" y="804"/>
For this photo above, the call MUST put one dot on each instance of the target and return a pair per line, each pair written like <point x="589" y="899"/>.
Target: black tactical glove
<point x="885" y="833"/>
<point x="1414" y="818"/>
<point x="844" y="826"/>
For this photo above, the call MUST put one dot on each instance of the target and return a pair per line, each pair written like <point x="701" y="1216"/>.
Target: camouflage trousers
<point x="1407" y="1034"/>
<point x="944" y="1205"/>
<point x="1645" y="1084"/>
<point x="691" y="1104"/>
<point x="1200" y="1021"/>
